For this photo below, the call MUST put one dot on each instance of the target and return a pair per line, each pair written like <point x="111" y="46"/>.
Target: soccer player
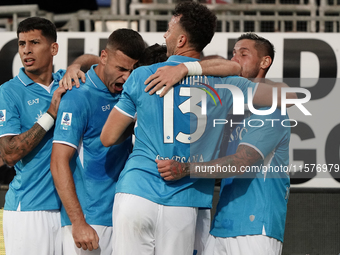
<point x="152" y="54"/>
<point x="259" y="215"/>
<point x="84" y="171"/>
<point x="29" y="104"/>
<point x="151" y="216"/>
<point x="250" y="216"/>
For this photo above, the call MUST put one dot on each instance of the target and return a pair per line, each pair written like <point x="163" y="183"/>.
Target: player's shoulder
<point x="153" y="68"/>
<point x="14" y="85"/>
<point x="14" y="81"/>
<point x="139" y="75"/>
<point x="146" y="69"/>
<point x="81" y="94"/>
<point x="238" y="79"/>
<point x="234" y="80"/>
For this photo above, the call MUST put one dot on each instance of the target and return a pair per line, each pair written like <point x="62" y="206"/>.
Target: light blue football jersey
<point x="256" y="202"/>
<point x="81" y="117"/>
<point x="179" y="126"/>
<point x="22" y="103"/>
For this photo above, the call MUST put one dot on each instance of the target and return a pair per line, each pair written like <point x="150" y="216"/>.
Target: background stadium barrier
<point x="153" y="15"/>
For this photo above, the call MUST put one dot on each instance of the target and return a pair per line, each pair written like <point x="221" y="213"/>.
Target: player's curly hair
<point x="153" y="54"/>
<point x="46" y="27"/>
<point x="127" y="41"/>
<point x="198" y="21"/>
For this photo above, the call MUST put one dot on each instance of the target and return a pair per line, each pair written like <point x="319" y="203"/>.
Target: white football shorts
<point x="202" y="230"/>
<point x="243" y="245"/>
<point x="143" y="227"/>
<point x="105" y="241"/>
<point x="32" y="232"/>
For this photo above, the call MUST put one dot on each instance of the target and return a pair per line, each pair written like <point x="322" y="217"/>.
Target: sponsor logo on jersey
<point x="33" y="101"/>
<point x="182" y="159"/>
<point x="66" y="121"/>
<point x="2" y="117"/>
<point x="106" y="108"/>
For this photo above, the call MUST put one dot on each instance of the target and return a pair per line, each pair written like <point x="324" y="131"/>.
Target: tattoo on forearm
<point x="244" y="156"/>
<point x="33" y="136"/>
<point x="20" y="145"/>
<point x="179" y="170"/>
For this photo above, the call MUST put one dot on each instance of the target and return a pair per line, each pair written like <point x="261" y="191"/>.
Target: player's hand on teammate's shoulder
<point x="165" y="78"/>
<point x="72" y="76"/>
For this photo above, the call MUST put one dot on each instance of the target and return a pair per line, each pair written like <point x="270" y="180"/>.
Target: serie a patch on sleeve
<point x="66" y="121"/>
<point x="2" y="117"/>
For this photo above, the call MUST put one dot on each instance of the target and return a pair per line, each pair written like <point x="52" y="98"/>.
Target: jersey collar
<point x="95" y="80"/>
<point x="181" y="59"/>
<point x="26" y="81"/>
<point x="24" y="78"/>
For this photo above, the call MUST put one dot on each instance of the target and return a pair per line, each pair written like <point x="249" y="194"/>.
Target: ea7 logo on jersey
<point x="106" y="108"/>
<point x="33" y="101"/>
<point x="66" y="121"/>
<point x="2" y="117"/>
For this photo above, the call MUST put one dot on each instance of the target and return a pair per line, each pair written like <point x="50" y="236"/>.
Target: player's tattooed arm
<point x="56" y="98"/>
<point x="15" y="147"/>
<point x="171" y="170"/>
<point x="234" y="164"/>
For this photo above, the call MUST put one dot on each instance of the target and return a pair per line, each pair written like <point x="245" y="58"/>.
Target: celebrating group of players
<point x="80" y="187"/>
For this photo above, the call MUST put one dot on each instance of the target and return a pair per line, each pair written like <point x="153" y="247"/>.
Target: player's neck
<point x="44" y="78"/>
<point x="189" y="53"/>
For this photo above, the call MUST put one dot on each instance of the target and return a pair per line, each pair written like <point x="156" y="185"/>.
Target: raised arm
<point x="77" y="70"/>
<point x="168" y="76"/>
<point x="245" y="156"/>
<point x="15" y="147"/>
<point x="220" y="67"/>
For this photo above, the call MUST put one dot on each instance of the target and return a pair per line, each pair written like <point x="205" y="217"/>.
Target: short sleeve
<point x="265" y="132"/>
<point x="9" y="114"/>
<point x="128" y="100"/>
<point x="71" y="120"/>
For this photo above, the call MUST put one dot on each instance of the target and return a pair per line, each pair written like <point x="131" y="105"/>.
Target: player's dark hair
<point x="198" y="21"/>
<point x="127" y="41"/>
<point x="262" y="45"/>
<point x="153" y="54"/>
<point x="47" y="28"/>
